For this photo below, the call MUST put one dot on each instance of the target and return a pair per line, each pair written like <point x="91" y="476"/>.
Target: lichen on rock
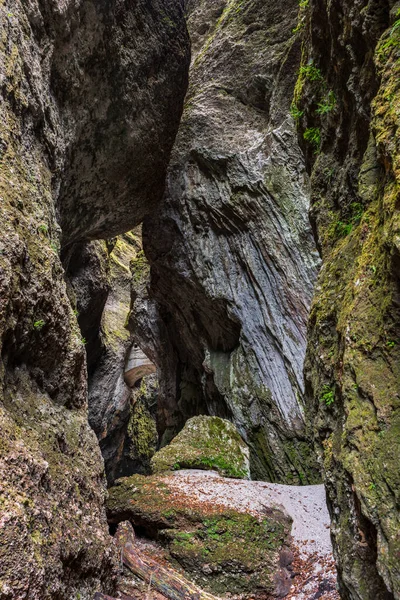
<point x="352" y="366"/>
<point x="205" y="443"/>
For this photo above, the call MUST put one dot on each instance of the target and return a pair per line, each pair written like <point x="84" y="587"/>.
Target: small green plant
<point x="372" y="487"/>
<point x="329" y="173"/>
<point x="83" y="340"/>
<point x="390" y="343"/>
<point x="76" y="312"/>
<point x="357" y="211"/>
<point x="43" y="229"/>
<point x="312" y="135"/>
<point x="304" y="3"/>
<point x="39" y="324"/>
<point x="311" y="72"/>
<point x="343" y="229"/>
<point x="327" y="396"/>
<point x="295" y="112"/>
<point x="327" y="104"/>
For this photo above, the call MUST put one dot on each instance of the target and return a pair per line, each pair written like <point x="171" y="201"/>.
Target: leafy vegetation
<point x="311" y="72"/>
<point x="295" y="112"/>
<point x="312" y="135"/>
<point x="327" y="396"/>
<point x="327" y="104"/>
<point x="43" y="229"/>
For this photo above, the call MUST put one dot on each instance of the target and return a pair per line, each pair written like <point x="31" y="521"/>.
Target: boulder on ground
<point x="207" y="443"/>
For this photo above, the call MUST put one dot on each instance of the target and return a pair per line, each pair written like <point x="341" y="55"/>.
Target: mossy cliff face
<point x="223" y="550"/>
<point x="232" y="255"/>
<point x="55" y="162"/>
<point x="347" y="105"/>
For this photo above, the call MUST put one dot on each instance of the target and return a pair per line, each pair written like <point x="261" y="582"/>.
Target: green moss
<point x="142" y="432"/>
<point x="354" y="326"/>
<point x="205" y="443"/>
<point x="238" y="549"/>
<point x="312" y="135"/>
<point x="140" y="267"/>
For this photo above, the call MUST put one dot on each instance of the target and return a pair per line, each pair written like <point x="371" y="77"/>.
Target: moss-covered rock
<point x="67" y="124"/>
<point x="205" y="443"/>
<point x="223" y="550"/>
<point x="352" y="366"/>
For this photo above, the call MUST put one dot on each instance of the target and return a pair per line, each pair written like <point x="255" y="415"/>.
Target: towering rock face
<point x="72" y="145"/>
<point x="347" y="102"/>
<point x="232" y="255"/>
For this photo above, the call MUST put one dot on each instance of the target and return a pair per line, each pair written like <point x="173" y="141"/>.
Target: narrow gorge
<point x="199" y="300"/>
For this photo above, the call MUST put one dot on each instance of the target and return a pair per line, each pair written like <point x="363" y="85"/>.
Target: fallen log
<point x="166" y="581"/>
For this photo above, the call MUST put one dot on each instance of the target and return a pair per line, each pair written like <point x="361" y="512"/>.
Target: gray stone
<point x="232" y="254"/>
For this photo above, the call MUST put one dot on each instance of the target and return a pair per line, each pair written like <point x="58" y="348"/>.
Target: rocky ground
<point x="312" y="571"/>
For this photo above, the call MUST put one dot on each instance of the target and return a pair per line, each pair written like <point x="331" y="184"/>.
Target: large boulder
<point x="222" y="549"/>
<point x="206" y="443"/>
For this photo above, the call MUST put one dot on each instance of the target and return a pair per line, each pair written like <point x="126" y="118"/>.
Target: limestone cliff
<point x="232" y="255"/>
<point x="346" y="103"/>
<point x="91" y="95"/>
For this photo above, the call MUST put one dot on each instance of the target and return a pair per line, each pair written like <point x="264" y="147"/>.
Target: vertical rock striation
<point x="347" y="102"/>
<point x="232" y="255"/>
<point x="73" y="154"/>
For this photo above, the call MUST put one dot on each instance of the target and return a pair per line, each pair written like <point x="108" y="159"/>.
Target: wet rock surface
<point x="347" y="100"/>
<point x="232" y="255"/>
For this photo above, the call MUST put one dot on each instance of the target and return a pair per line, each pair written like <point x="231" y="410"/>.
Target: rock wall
<point x="346" y="103"/>
<point x="91" y="95"/>
<point x="232" y="255"/>
<point x="102" y="274"/>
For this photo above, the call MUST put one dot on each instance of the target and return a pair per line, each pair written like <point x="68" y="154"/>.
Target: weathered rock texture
<point x="121" y="405"/>
<point x="347" y="102"/>
<point x="232" y="255"/>
<point x="70" y="74"/>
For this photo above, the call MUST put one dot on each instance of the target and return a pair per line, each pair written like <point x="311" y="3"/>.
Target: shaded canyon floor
<point x="305" y="569"/>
